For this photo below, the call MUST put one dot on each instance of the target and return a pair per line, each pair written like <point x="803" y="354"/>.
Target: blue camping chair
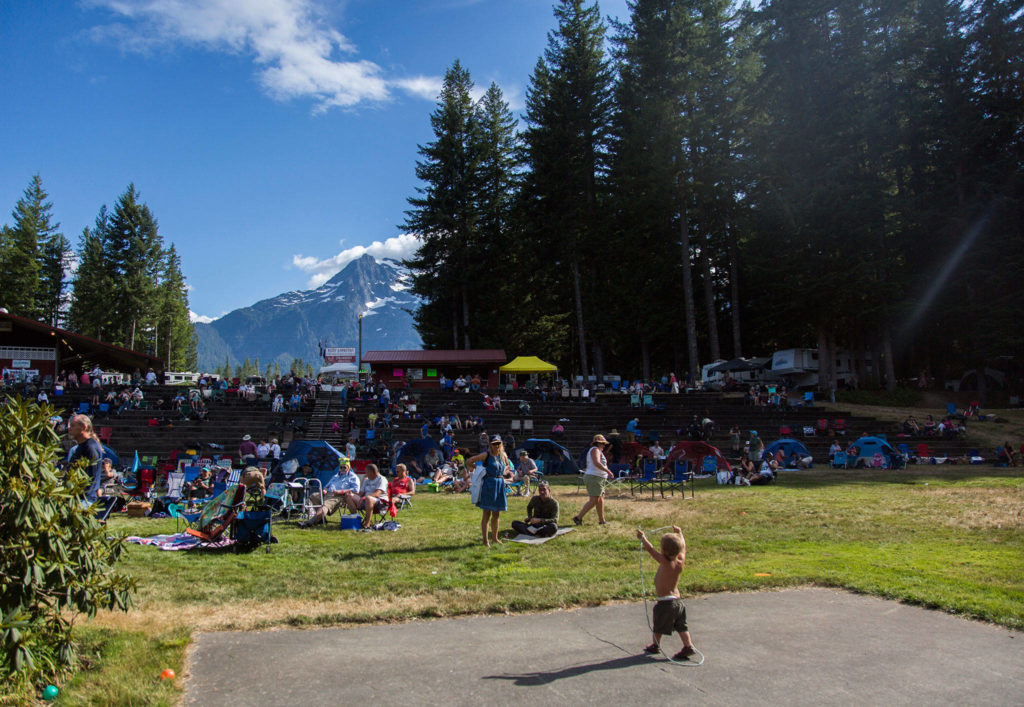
<point x="680" y="475"/>
<point x="839" y="460"/>
<point x="648" y="478"/>
<point x="709" y="465"/>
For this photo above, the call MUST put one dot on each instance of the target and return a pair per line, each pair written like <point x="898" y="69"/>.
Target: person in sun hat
<point x="597" y="471"/>
<point x="336" y="492"/>
<point x="247" y="450"/>
<point x="492" y="490"/>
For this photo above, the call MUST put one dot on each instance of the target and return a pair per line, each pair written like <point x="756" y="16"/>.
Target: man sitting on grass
<point x="541" y="514"/>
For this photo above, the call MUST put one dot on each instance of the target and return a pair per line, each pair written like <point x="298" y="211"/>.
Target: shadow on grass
<point x="544" y="677"/>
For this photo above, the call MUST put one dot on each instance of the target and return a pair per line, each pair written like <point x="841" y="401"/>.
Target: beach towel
<point x="534" y="540"/>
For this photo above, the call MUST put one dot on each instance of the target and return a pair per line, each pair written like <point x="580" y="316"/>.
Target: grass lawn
<point x="945" y="537"/>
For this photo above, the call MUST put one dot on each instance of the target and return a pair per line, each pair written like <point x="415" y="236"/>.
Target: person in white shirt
<point x="339" y="489"/>
<point x="275" y="449"/>
<point x="373" y="495"/>
<point x="262" y="449"/>
<point x="350" y="449"/>
<point x="657" y="451"/>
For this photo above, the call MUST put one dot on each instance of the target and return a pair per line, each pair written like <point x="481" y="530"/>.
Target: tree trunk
<point x="824" y="381"/>
<point x="645" y="359"/>
<point x="455" y="326"/>
<point x="465" y="316"/>
<point x="878" y="359"/>
<point x="890" y="365"/>
<point x="709" y="298"/>
<point x="578" y="297"/>
<point x="691" y="316"/>
<point x="734" y="292"/>
<point x="598" y="361"/>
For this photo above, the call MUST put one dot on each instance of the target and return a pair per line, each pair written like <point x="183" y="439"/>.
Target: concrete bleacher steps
<point x="232" y="418"/>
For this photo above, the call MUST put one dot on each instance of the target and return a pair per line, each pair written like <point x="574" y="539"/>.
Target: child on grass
<point x="669" y="612"/>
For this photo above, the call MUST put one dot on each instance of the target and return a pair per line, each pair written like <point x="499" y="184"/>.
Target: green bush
<point x="56" y="561"/>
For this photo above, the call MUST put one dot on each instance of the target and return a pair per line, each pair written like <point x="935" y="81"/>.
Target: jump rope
<point x="647" y="614"/>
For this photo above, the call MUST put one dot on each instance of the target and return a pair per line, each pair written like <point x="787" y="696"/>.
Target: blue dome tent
<point x="317" y="454"/>
<point x="788" y="447"/>
<point x="867" y="447"/>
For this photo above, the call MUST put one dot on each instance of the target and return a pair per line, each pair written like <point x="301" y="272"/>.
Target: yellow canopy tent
<point x="528" y="364"/>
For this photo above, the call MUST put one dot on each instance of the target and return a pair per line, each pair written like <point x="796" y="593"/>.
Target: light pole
<point x="359" y="356"/>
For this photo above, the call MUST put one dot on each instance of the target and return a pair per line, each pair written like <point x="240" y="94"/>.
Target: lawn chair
<point x="905" y="452"/>
<point x="251" y="528"/>
<point x="105" y="434"/>
<point x="823" y="426"/>
<point x="839" y="425"/>
<point x="647" y="479"/>
<point x="279" y="500"/>
<point x="924" y="453"/>
<point x="634" y="400"/>
<point x="709" y="465"/>
<point x="839" y="460"/>
<point x="785" y="431"/>
<point x="681" y="474"/>
<point x="218" y="514"/>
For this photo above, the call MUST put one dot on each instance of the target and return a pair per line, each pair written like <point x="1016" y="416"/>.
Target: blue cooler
<point x="351" y="522"/>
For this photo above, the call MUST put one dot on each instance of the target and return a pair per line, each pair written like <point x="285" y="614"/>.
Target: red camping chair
<point x="839" y="425"/>
<point x="143" y="483"/>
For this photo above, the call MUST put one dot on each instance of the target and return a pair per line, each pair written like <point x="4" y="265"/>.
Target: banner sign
<point x="339" y="355"/>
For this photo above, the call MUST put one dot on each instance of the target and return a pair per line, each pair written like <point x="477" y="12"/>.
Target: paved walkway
<point x="793" y="647"/>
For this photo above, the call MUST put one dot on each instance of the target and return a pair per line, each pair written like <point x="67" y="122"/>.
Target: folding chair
<point x="515" y="425"/>
<point x="648" y="478"/>
<point x="527" y="425"/>
<point x="839" y="425"/>
<point x="251" y="528"/>
<point x="218" y="514"/>
<point x="839" y="460"/>
<point x="785" y="431"/>
<point x="681" y="473"/>
<point x="823" y="426"/>
<point x="105" y="434"/>
<point x="709" y="465"/>
<point x="278" y="498"/>
<point x="634" y="400"/>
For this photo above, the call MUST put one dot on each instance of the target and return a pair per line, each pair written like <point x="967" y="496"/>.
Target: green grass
<point x="949" y="538"/>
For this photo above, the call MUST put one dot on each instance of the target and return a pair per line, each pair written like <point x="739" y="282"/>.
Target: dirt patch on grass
<point x="982" y="508"/>
<point x="247" y="615"/>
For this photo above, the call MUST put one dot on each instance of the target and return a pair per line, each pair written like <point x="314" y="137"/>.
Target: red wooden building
<point x="424" y="369"/>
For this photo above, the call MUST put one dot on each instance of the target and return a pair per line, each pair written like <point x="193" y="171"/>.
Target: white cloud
<point x="397" y="248"/>
<point x="201" y="318"/>
<point x="295" y="50"/>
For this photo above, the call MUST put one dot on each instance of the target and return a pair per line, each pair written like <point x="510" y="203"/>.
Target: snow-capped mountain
<point x="291" y="325"/>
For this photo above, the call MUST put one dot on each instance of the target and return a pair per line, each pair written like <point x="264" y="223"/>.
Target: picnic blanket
<point x="176" y="541"/>
<point x="383" y="525"/>
<point x="534" y="540"/>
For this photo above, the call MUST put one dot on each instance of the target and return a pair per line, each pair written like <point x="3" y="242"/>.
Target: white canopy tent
<point x="341" y="368"/>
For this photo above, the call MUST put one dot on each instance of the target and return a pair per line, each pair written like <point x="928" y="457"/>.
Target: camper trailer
<point x="799" y="367"/>
<point x="744" y="372"/>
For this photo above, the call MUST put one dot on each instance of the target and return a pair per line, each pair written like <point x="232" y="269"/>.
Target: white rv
<point x="799" y="367"/>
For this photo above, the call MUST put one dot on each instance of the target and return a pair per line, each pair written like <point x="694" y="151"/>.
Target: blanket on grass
<point x="534" y="540"/>
<point x="177" y="541"/>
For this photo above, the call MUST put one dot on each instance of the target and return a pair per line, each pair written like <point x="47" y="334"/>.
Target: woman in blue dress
<point x="492" y="490"/>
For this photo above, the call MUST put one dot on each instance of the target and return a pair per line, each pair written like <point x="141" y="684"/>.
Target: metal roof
<point x="467" y="356"/>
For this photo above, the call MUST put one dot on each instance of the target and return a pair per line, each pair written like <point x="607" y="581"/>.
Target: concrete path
<point x="793" y="647"/>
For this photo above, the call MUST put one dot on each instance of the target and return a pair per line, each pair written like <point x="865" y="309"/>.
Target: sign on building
<point x="339" y="355"/>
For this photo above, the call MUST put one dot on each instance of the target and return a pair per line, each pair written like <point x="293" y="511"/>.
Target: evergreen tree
<point x="133" y="256"/>
<point x="568" y="113"/>
<point x="20" y="279"/>
<point x="90" y="309"/>
<point x="175" y="334"/>
<point x="445" y="216"/>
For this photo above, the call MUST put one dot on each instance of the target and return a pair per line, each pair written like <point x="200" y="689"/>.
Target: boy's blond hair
<point x="671" y="545"/>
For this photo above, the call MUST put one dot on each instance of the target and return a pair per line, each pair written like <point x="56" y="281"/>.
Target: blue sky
<point x="274" y="140"/>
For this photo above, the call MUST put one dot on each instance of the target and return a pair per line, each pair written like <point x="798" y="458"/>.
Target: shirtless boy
<point x="669" y="612"/>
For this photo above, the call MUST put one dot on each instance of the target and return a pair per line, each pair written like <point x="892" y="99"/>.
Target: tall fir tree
<point x="568" y="116"/>
<point x="445" y="216"/>
<point x="25" y="291"/>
